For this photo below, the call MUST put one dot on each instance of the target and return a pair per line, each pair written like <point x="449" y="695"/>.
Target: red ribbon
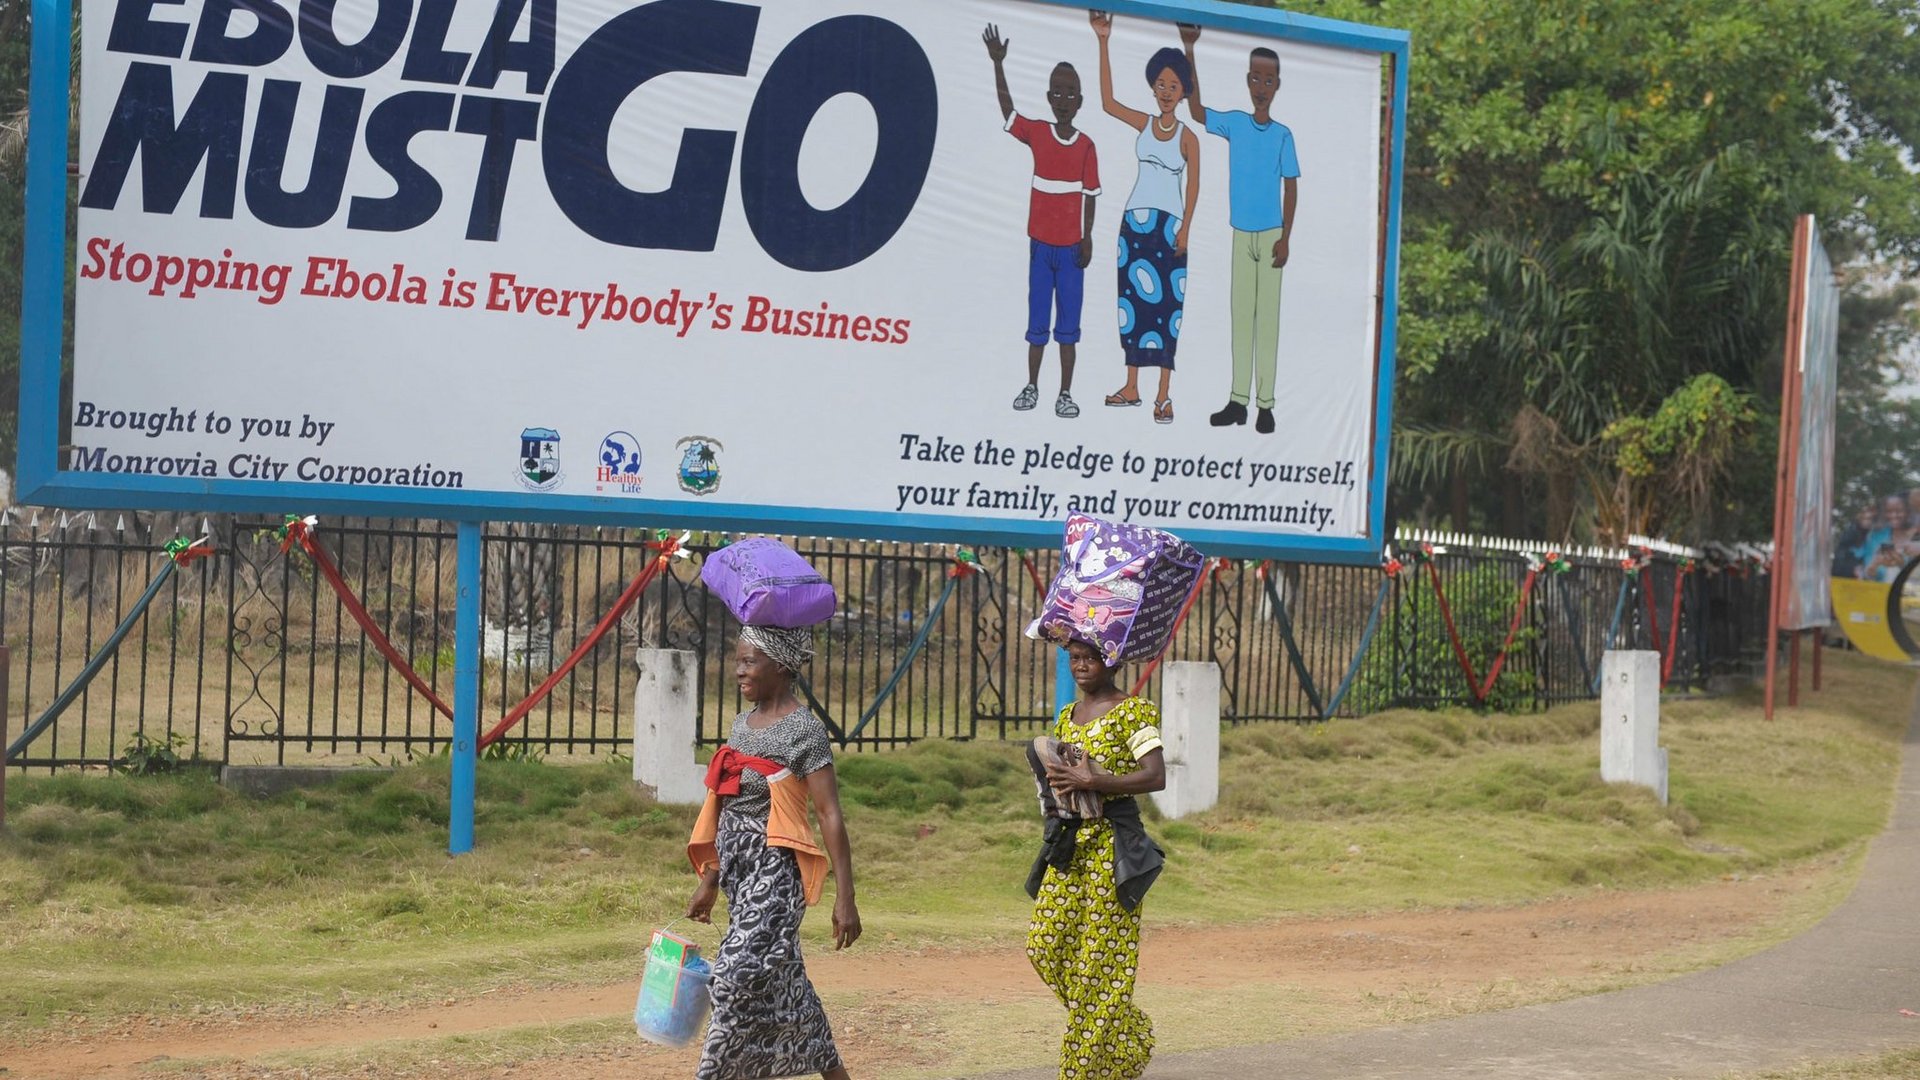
<point x="1671" y="649"/>
<point x="1476" y="686"/>
<point x="298" y="530"/>
<point x="1519" y="611"/>
<point x="723" y="772"/>
<point x="192" y="553"/>
<point x="667" y="548"/>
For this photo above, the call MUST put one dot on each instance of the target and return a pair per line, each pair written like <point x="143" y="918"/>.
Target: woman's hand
<point x="1180" y="241"/>
<point x="700" y="908"/>
<point x="846" y="922"/>
<point x="1102" y="24"/>
<point x="1069" y="778"/>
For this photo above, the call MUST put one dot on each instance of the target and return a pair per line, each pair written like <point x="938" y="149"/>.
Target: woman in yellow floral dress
<point x="1093" y="871"/>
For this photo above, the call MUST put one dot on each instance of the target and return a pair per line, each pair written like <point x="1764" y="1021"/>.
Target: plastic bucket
<point x="673" y="1018"/>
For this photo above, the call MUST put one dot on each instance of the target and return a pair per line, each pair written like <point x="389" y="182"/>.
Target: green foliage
<point x="1699" y="420"/>
<point x="1880" y="452"/>
<point x="938" y="773"/>
<point x="509" y="750"/>
<point x="1599" y="200"/>
<point x="429" y="664"/>
<point x="1482" y="601"/>
<point x="1669" y="463"/>
<point x="152" y="757"/>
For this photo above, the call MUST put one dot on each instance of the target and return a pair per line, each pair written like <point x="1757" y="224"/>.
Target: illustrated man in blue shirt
<point x="1262" y="172"/>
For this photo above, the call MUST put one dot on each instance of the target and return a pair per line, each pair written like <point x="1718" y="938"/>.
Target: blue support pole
<point x="43" y="278"/>
<point x="1064" y="690"/>
<point x="466" y="687"/>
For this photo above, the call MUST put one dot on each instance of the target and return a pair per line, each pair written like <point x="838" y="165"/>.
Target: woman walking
<point x="1095" y="866"/>
<point x="1153" y="228"/>
<point x="753" y="842"/>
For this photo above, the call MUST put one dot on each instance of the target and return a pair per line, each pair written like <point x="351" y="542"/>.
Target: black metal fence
<point x="249" y="657"/>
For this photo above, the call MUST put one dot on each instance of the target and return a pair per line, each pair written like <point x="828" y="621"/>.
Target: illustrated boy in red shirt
<point x="1066" y="179"/>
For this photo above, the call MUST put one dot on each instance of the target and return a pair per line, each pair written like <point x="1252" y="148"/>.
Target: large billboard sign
<point x="1805" y="495"/>
<point x="903" y="269"/>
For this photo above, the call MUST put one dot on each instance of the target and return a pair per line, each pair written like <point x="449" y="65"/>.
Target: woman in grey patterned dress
<point x="767" y="1020"/>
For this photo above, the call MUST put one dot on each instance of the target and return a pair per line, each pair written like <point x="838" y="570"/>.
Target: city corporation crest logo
<point x="699" y="464"/>
<point x="540" y="458"/>
<point x="619" y="467"/>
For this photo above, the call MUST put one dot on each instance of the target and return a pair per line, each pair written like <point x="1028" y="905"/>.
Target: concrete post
<point x="1630" y="750"/>
<point x="665" y="725"/>
<point x="1190" y="729"/>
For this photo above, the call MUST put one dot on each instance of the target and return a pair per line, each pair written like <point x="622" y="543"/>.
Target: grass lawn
<point x="170" y="895"/>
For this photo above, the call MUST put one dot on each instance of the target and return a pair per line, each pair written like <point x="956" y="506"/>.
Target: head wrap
<point x="1171" y="59"/>
<point x="791" y="649"/>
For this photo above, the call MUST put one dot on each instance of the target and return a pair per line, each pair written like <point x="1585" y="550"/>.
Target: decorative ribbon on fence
<point x="1576" y="632"/>
<point x="1294" y="657"/>
<point x="964" y="566"/>
<point x="299" y="530"/>
<point x="1366" y="642"/>
<point x="1178" y="621"/>
<point x="1478" y="687"/>
<point x="179" y="552"/>
<point x="1553" y="563"/>
<point x="1653" y="608"/>
<point x="1632" y="569"/>
<point x="1671" y="648"/>
<point x="1425" y="555"/>
<point x="1673" y="621"/>
<point x="668" y="547"/>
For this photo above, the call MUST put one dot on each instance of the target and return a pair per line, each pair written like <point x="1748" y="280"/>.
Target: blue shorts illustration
<point x="1055" y="285"/>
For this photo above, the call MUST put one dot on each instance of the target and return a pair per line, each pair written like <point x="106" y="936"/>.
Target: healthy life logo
<point x="619" y="468"/>
<point x="540" y="458"/>
<point x="699" y="464"/>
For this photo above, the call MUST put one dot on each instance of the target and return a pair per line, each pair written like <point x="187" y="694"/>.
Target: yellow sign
<point x="1862" y="609"/>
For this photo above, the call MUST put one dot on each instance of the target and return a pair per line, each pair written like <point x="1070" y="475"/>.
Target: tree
<point x="1599" y="202"/>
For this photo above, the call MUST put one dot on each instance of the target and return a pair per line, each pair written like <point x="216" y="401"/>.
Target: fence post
<point x="1190" y="736"/>
<point x="6" y="670"/>
<point x="1630" y="750"/>
<point x="666" y="720"/>
<point x="466" y="687"/>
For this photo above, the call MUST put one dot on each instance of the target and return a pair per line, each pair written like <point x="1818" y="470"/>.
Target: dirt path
<point x="1443" y="955"/>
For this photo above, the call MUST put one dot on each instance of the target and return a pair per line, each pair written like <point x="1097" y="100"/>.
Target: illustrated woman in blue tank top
<point x="1153" y="228"/>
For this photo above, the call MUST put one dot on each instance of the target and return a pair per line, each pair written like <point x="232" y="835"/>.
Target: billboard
<point x="941" y="271"/>
<point x="1803" y="501"/>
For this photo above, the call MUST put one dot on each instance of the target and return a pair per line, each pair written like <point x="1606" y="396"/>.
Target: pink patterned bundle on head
<point x="1120" y="589"/>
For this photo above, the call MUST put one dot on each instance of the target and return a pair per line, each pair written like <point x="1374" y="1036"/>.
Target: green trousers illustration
<point x="1256" y="314"/>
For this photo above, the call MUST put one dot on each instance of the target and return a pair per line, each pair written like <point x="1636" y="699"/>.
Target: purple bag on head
<point x="766" y="583"/>
<point x="1120" y="589"/>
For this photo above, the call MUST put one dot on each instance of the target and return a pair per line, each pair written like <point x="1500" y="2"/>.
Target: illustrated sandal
<point x="1163" y="411"/>
<point x="1119" y="401"/>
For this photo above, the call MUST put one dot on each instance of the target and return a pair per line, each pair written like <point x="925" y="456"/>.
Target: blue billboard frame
<point x="40" y="480"/>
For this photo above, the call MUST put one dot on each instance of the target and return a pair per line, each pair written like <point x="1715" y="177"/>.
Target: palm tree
<point x="1603" y="321"/>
